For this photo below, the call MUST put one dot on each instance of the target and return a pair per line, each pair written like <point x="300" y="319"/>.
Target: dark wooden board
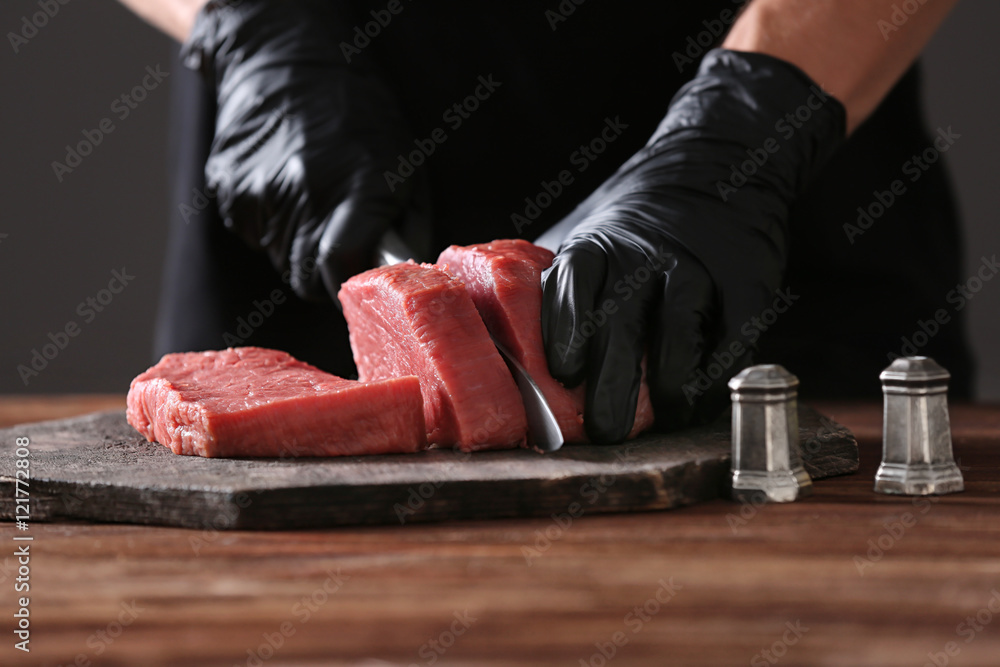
<point x="96" y="467"/>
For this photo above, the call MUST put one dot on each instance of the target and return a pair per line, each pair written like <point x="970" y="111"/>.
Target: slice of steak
<point x="416" y="319"/>
<point x="504" y="279"/>
<point x="250" y="401"/>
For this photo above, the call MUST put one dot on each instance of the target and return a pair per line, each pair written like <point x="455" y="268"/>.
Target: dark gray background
<point x="64" y="239"/>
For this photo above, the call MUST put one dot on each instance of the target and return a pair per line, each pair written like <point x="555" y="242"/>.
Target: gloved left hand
<point x="302" y="138"/>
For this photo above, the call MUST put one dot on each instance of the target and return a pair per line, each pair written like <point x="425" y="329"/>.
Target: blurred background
<point x="63" y="233"/>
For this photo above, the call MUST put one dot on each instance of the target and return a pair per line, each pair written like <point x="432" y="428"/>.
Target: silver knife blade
<point x="544" y="433"/>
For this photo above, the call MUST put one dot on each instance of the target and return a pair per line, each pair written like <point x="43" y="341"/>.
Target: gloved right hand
<point x="676" y="255"/>
<point x="302" y="138"/>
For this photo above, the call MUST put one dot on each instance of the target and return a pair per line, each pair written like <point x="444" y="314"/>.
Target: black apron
<point x="564" y="99"/>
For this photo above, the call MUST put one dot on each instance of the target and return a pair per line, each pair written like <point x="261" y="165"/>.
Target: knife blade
<point x="544" y="433"/>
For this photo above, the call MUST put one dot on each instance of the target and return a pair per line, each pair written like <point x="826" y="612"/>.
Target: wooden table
<point x="846" y="577"/>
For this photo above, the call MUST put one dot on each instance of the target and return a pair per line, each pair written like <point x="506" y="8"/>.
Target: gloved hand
<point x="685" y="243"/>
<point x="302" y="138"/>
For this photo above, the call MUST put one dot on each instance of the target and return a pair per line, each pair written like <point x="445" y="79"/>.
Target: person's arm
<point x="688" y="241"/>
<point x="853" y="49"/>
<point x="173" y="17"/>
<point x="303" y="162"/>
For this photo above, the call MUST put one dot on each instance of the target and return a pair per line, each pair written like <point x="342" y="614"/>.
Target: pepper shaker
<point x="917" y="456"/>
<point x="767" y="461"/>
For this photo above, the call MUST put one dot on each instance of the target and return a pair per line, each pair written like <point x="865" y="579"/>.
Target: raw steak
<point x="416" y="319"/>
<point x="504" y="279"/>
<point x="249" y="401"/>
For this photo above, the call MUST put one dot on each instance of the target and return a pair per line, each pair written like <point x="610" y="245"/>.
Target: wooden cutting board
<point x="98" y="468"/>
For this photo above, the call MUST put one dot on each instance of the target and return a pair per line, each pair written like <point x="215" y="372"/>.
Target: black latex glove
<point x="302" y="138"/>
<point x="672" y="257"/>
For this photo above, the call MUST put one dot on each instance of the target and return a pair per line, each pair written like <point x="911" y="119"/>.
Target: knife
<point x="544" y="433"/>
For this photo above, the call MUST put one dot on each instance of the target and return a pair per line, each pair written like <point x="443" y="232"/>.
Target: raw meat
<point x="415" y="319"/>
<point x="250" y="401"/>
<point x="504" y="279"/>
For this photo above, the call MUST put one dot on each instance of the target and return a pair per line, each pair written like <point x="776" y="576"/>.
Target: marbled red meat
<point x="415" y="319"/>
<point x="504" y="279"/>
<point x="251" y="401"/>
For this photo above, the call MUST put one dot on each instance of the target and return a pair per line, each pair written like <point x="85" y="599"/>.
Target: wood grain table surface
<point x="846" y="577"/>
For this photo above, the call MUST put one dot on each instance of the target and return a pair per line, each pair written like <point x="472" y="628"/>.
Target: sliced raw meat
<point x="504" y="279"/>
<point x="249" y="401"/>
<point x="416" y="319"/>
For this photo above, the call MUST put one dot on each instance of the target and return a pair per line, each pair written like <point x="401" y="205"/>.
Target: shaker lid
<point x="914" y="369"/>
<point x="763" y="377"/>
